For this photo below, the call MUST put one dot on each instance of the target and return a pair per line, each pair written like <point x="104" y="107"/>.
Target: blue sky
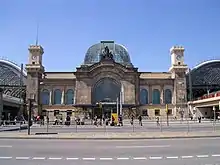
<point x="148" y="28"/>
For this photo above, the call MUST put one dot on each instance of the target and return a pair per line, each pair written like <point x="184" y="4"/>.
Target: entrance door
<point x="97" y="112"/>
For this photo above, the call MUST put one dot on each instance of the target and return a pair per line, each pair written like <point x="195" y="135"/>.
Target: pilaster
<point x="150" y="94"/>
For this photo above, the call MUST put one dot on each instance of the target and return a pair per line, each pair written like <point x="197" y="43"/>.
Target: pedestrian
<point x="158" y="123"/>
<point x="140" y="120"/>
<point x="132" y="119"/>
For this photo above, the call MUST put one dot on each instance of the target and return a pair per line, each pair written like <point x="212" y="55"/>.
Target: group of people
<point x="139" y="119"/>
<point x="108" y="121"/>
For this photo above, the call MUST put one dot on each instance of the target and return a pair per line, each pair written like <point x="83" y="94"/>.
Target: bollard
<point x="105" y="126"/>
<point x="133" y="126"/>
<point x="161" y="125"/>
<point x="187" y="125"/>
<point x="76" y="126"/>
<point x="47" y="126"/>
<point x="20" y="127"/>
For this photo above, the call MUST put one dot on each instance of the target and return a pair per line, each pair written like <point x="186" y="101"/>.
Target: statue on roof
<point x="107" y="55"/>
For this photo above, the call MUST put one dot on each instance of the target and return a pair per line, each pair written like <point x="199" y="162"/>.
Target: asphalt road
<point x="93" y="152"/>
<point x="128" y="128"/>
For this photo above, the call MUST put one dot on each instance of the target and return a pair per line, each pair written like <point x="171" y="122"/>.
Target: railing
<point x="211" y="95"/>
<point x="12" y="99"/>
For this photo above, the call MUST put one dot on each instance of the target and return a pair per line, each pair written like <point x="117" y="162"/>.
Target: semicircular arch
<point x="10" y="75"/>
<point x="206" y="73"/>
<point x="106" y="88"/>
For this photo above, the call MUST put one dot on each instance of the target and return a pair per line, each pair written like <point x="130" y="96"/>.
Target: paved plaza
<point x="66" y="152"/>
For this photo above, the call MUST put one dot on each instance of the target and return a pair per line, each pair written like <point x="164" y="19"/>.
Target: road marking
<point x="5" y="157"/>
<point x="72" y="158"/>
<point x="88" y="158"/>
<point x="155" y="146"/>
<point x="172" y="157"/>
<point x="216" y="155"/>
<point x="38" y="158"/>
<point x="122" y="158"/>
<point x="139" y="158"/>
<point x="106" y="158"/>
<point x="5" y="146"/>
<point x="186" y="157"/>
<point x="110" y="158"/>
<point x="22" y="158"/>
<point x="54" y="158"/>
<point x="155" y="157"/>
<point x="202" y="156"/>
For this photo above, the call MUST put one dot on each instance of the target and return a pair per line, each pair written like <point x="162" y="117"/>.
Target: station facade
<point x="107" y="76"/>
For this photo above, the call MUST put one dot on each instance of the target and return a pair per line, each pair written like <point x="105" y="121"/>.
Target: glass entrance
<point x="105" y="110"/>
<point x="106" y="91"/>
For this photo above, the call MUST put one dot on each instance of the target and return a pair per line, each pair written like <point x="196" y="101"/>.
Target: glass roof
<point x="120" y="53"/>
<point x="10" y="75"/>
<point x="205" y="77"/>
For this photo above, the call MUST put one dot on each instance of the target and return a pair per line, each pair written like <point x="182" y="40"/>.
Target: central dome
<point x="120" y="53"/>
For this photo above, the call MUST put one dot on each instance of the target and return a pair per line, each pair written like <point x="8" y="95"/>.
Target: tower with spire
<point x="35" y="70"/>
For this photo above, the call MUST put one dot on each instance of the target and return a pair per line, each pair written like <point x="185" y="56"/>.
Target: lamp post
<point x="214" y="118"/>
<point x="30" y="102"/>
<point x="167" y="115"/>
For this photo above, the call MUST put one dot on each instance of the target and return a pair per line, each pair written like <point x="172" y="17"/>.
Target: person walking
<point x="140" y="120"/>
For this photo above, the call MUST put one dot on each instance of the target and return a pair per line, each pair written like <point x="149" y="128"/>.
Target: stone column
<point x="137" y="89"/>
<point x="162" y="94"/>
<point x="51" y="97"/>
<point x="150" y="94"/>
<point x="63" y="97"/>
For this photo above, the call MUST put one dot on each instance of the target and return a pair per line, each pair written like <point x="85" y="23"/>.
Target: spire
<point x="37" y="34"/>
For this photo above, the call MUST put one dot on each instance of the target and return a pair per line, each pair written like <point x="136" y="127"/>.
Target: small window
<point x="44" y="112"/>
<point x="157" y="112"/>
<point x="170" y="112"/>
<point x="144" y="112"/>
<point x="56" y="112"/>
<point x="33" y="62"/>
<point x="69" y="112"/>
<point x="206" y="113"/>
<point x="179" y="63"/>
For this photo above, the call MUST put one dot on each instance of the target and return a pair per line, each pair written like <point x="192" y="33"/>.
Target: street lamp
<point x="214" y="117"/>
<point x="30" y="101"/>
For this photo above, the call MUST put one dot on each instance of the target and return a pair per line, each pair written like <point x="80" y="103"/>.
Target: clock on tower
<point x="177" y="55"/>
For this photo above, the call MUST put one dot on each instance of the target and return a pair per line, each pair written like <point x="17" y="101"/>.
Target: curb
<point x="14" y="129"/>
<point x="110" y="138"/>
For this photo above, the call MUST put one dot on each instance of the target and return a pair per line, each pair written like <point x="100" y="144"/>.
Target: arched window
<point x="69" y="96"/>
<point x="144" y="96"/>
<point x="106" y="89"/>
<point x="57" y="96"/>
<point x="168" y="96"/>
<point x="156" y="96"/>
<point x="45" y="97"/>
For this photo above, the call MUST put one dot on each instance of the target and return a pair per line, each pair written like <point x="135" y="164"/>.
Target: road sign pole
<point x="167" y="114"/>
<point x="214" y="118"/>
<point x="29" y="116"/>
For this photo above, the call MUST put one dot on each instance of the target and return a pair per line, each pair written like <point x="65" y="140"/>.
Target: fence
<point x="185" y="125"/>
<point x="88" y="126"/>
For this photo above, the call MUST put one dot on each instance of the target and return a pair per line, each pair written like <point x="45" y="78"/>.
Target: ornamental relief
<point x="102" y="75"/>
<point x="156" y="82"/>
<point x="107" y="72"/>
<point x="110" y="66"/>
